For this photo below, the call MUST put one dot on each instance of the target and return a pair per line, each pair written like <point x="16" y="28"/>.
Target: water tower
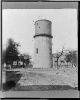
<point x="43" y="44"/>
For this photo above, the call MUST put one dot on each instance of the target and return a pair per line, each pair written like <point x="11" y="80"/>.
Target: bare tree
<point x="58" y="56"/>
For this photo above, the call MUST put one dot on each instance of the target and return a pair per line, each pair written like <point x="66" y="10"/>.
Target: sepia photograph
<point x="39" y="49"/>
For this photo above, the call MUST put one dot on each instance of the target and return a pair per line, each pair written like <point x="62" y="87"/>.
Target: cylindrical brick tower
<point x="43" y="44"/>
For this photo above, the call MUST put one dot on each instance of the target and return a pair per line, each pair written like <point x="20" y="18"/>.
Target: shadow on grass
<point x="12" y="78"/>
<point x="44" y="88"/>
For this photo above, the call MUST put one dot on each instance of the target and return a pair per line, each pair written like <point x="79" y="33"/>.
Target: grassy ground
<point x="43" y="88"/>
<point x="40" y="79"/>
<point x="11" y="80"/>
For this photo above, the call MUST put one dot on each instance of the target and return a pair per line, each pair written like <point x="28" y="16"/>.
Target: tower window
<point x="36" y="50"/>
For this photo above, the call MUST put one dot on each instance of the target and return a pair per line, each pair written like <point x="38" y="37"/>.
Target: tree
<point x="58" y="56"/>
<point x="3" y="56"/>
<point x="11" y="53"/>
<point x="26" y="59"/>
<point x="68" y="58"/>
<point x="72" y="58"/>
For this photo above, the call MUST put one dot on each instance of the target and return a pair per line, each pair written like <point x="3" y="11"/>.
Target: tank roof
<point x="43" y="20"/>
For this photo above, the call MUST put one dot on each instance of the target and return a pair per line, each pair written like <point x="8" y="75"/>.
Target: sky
<point x="19" y="25"/>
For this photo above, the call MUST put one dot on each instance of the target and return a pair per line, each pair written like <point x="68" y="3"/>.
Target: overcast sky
<point x="19" y="25"/>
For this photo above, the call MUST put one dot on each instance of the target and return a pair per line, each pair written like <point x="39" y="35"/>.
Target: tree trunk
<point x="23" y="63"/>
<point x="67" y="64"/>
<point x="12" y="65"/>
<point x="17" y="62"/>
<point x="57" y="63"/>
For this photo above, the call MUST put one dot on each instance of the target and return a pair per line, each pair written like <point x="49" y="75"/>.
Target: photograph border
<point x="19" y="4"/>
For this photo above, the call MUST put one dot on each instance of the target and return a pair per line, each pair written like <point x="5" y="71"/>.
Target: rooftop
<point x="43" y="20"/>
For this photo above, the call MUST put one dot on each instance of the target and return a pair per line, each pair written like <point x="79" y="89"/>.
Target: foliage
<point x="58" y="56"/>
<point x="68" y="58"/>
<point x="11" y="52"/>
<point x="72" y="58"/>
<point x="26" y="59"/>
<point x="3" y="56"/>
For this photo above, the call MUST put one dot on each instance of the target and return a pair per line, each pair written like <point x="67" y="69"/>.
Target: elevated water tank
<point x="43" y="44"/>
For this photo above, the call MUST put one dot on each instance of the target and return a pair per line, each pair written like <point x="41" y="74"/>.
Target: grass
<point x="43" y="88"/>
<point x="13" y="77"/>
